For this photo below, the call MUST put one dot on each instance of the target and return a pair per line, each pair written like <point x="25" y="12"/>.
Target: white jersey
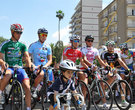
<point x="90" y="53"/>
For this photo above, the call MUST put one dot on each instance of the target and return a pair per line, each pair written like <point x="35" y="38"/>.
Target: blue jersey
<point x="40" y="52"/>
<point x="60" y="86"/>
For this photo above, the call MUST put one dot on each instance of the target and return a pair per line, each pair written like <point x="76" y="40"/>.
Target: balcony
<point x="130" y="3"/>
<point x="104" y="18"/>
<point x="112" y="11"/>
<point x="113" y="33"/>
<point x="130" y="36"/>
<point x="114" y="21"/>
<point x="131" y="15"/>
<point x="131" y="26"/>
<point x="77" y="25"/>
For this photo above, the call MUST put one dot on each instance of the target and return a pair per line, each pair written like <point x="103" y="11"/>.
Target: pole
<point x="59" y="31"/>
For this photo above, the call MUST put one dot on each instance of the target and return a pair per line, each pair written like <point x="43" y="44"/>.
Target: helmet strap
<point x="64" y="77"/>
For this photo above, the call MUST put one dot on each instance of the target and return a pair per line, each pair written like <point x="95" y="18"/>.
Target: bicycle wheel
<point x="83" y="89"/>
<point x="124" y="90"/>
<point x="43" y="93"/>
<point x="16" y="96"/>
<point x="102" y="93"/>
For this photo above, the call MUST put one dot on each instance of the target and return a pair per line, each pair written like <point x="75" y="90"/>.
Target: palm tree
<point x="60" y="16"/>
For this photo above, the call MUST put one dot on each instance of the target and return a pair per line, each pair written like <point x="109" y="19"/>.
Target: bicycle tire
<point x="97" y="97"/>
<point x="43" y="93"/>
<point x="16" y="96"/>
<point x="80" y="90"/>
<point x="128" y="88"/>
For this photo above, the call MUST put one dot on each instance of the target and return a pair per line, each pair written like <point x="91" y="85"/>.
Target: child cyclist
<point x="63" y="83"/>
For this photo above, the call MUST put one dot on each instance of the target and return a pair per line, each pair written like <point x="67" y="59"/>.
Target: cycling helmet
<point x="110" y="42"/>
<point x="89" y="37"/>
<point x="123" y="46"/>
<point x="75" y="37"/>
<point x="42" y="30"/>
<point x="16" y="27"/>
<point x="67" y="65"/>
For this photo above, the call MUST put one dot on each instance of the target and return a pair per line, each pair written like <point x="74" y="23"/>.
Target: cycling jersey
<point x="13" y="52"/>
<point x="90" y="53"/>
<point x="72" y="54"/>
<point x="111" y="58"/>
<point x="40" y="52"/>
<point x="128" y="57"/>
<point x="61" y="86"/>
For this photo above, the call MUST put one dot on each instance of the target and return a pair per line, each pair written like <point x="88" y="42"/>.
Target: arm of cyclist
<point x="84" y="64"/>
<point x="2" y="62"/>
<point x="27" y="59"/>
<point x="122" y="64"/>
<point x="103" y="63"/>
<point x="49" y="57"/>
<point x="93" y="67"/>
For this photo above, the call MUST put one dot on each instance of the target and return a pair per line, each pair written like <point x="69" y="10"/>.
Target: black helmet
<point x="42" y="30"/>
<point x="89" y="37"/>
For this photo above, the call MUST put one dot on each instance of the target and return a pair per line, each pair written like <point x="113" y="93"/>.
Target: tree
<point x="58" y="50"/>
<point x="2" y="39"/>
<point x="60" y="16"/>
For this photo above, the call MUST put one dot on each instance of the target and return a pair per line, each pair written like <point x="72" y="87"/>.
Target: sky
<point x="35" y="14"/>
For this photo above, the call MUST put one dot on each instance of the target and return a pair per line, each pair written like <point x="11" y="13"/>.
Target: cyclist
<point x="63" y="83"/>
<point x="41" y="54"/>
<point x="90" y="54"/>
<point x="12" y="51"/>
<point x="110" y="57"/>
<point x="127" y="57"/>
<point x="74" y="54"/>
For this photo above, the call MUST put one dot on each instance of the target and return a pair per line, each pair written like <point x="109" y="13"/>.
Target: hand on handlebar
<point x="93" y="67"/>
<point x="4" y="66"/>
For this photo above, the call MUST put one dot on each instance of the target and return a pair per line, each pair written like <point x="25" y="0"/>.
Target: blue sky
<point x="35" y="14"/>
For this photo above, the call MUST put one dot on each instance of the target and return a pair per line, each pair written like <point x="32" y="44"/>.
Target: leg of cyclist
<point x="4" y="82"/>
<point x="24" y="79"/>
<point x="38" y="79"/>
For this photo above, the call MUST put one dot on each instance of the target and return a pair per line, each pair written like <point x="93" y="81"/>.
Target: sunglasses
<point x="43" y="35"/>
<point x="76" y="41"/>
<point x="110" y="46"/>
<point x="89" y="40"/>
<point x="18" y="32"/>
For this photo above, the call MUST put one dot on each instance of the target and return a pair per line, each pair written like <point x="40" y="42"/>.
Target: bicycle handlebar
<point x="59" y="95"/>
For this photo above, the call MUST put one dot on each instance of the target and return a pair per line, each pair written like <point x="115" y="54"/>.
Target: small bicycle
<point x="82" y="89"/>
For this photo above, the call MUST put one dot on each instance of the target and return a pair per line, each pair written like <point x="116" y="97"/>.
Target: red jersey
<point x="72" y="54"/>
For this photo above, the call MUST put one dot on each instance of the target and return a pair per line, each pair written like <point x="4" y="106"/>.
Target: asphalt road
<point x="39" y="107"/>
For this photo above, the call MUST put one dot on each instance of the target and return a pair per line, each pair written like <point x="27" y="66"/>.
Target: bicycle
<point x="132" y="84"/>
<point x="82" y="89"/>
<point x="98" y="88"/>
<point x="70" y="104"/>
<point x="123" y="89"/>
<point x="15" y="98"/>
<point x="42" y="93"/>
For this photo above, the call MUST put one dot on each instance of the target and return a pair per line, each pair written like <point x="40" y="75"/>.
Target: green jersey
<point x="13" y="52"/>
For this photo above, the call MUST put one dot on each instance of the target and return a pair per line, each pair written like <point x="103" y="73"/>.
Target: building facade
<point x="117" y="22"/>
<point x="84" y="21"/>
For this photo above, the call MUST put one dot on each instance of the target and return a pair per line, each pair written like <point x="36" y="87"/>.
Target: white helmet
<point x="75" y="37"/>
<point x="68" y="65"/>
